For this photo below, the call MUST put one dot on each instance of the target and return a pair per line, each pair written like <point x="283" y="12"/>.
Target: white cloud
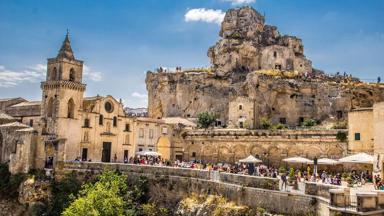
<point x="9" y="78"/>
<point x="139" y="95"/>
<point x="204" y="15"/>
<point x="90" y="74"/>
<point x="36" y="73"/>
<point x="240" y="2"/>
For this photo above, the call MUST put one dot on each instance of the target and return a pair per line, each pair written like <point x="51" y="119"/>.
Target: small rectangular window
<point x="141" y="133"/>
<point x="31" y="122"/>
<point x="283" y="120"/>
<point x="86" y="122"/>
<point x="127" y="127"/>
<point x="193" y="154"/>
<point x="101" y="120"/>
<point x="164" y="130"/>
<point x="150" y="133"/>
<point x="357" y="136"/>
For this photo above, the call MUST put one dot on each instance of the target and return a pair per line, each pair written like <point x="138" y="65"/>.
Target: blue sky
<point x="120" y="40"/>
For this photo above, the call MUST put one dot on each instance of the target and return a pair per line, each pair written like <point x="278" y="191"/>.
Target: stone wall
<point x="170" y="185"/>
<point x="131" y="168"/>
<point x="250" y="181"/>
<point x="269" y="145"/>
<point x="321" y="190"/>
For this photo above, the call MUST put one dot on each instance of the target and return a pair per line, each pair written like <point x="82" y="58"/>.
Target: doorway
<point x="84" y="154"/>
<point x="106" y="153"/>
<point x="125" y="156"/>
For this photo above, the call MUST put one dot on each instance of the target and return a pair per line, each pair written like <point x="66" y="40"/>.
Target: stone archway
<point x="257" y="150"/>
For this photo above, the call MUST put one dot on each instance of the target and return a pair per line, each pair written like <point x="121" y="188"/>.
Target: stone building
<point x="365" y="129"/>
<point x="241" y="113"/>
<point x="360" y="130"/>
<point x="65" y="125"/>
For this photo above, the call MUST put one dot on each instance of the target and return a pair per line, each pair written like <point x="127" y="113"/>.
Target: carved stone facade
<point x="271" y="146"/>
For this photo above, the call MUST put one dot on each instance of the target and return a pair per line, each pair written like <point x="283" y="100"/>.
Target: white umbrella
<point x="362" y="158"/>
<point x="148" y="153"/>
<point x="297" y="160"/>
<point x="326" y="161"/>
<point x="250" y="159"/>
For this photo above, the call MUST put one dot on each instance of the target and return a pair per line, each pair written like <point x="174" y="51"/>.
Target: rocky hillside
<point x="253" y="61"/>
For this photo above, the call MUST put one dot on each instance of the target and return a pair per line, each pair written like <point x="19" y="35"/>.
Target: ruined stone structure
<point x="253" y="63"/>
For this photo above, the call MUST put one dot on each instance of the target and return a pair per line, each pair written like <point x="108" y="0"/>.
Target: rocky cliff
<point x="253" y="61"/>
<point x="248" y="44"/>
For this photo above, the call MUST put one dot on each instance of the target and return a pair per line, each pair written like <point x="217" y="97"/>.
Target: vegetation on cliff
<point x="112" y="195"/>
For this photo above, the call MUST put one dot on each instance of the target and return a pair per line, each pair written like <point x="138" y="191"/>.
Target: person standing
<point x="284" y="182"/>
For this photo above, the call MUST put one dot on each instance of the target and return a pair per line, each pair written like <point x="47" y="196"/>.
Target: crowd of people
<point x="298" y="175"/>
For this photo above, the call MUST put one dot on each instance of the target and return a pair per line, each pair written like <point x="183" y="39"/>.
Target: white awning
<point x="148" y="153"/>
<point x="362" y="158"/>
<point x="297" y="160"/>
<point x="250" y="159"/>
<point x="326" y="161"/>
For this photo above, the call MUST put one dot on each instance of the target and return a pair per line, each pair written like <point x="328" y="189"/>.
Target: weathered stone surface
<point x="33" y="191"/>
<point x="253" y="61"/>
<point x="187" y="94"/>
<point x="247" y="44"/>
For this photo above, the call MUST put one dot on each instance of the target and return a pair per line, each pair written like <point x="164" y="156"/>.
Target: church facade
<point x="66" y="126"/>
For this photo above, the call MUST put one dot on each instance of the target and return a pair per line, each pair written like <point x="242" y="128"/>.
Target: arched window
<point x="101" y="120"/>
<point x="71" y="109"/>
<point x="54" y="74"/>
<point x="115" y="121"/>
<point x="50" y="108"/>
<point x="72" y="76"/>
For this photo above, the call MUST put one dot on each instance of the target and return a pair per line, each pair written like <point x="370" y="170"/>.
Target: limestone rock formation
<point x="253" y="61"/>
<point x="247" y="44"/>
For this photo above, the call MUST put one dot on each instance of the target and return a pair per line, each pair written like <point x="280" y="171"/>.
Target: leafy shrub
<point x="279" y="126"/>
<point x="341" y="136"/>
<point x="308" y="123"/>
<point x="265" y="123"/>
<point x="282" y="170"/>
<point x="291" y="173"/>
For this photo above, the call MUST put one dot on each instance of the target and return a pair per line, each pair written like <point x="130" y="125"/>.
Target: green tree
<point x="205" y="119"/>
<point x="105" y="197"/>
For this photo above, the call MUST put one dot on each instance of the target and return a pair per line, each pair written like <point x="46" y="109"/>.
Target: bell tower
<point x="62" y="99"/>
